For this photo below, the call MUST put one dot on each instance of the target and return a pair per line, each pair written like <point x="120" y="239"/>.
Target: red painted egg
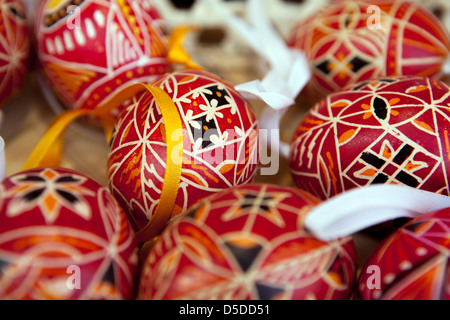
<point x="63" y="236"/>
<point x="89" y="49"/>
<point x="412" y="263"/>
<point x="14" y="48"/>
<point x="392" y="130"/>
<point x="219" y="130"/>
<point x="350" y="41"/>
<point x="248" y="242"/>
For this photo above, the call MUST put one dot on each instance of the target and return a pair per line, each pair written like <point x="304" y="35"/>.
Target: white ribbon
<point x="446" y="66"/>
<point x="2" y="160"/>
<point x="288" y="74"/>
<point x="359" y="208"/>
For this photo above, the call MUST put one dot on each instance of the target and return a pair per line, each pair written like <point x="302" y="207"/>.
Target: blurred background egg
<point x="14" y="48"/>
<point x="349" y="41"/>
<point x="411" y="264"/>
<point x="220" y="148"/>
<point x="89" y="49"/>
<point x="248" y="242"/>
<point x="391" y="130"/>
<point x="64" y="237"/>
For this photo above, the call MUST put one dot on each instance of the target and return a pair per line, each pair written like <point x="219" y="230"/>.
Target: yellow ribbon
<point x="177" y="54"/>
<point x="48" y="151"/>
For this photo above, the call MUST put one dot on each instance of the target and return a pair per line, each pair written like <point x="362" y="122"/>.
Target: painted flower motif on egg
<point x="14" y="48"/>
<point x="392" y="130"/>
<point x="219" y="131"/>
<point x="89" y="49"/>
<point x="245" y="243"/>
<point x="63" y="236"/>
<point x="412" y="263"/>
<point x="350" y="41"/>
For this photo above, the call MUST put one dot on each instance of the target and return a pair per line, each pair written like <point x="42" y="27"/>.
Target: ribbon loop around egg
<point x="361" y="208"/>
<point x="48" y="152"/>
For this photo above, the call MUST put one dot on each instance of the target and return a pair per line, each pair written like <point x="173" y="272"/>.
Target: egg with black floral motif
<point x="15" y="48"/>
<point x="219" y="130"/>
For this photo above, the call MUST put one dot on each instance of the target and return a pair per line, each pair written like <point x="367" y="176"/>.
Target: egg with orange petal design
<point x="248" y="243"/>
<point x="63" y="236"/>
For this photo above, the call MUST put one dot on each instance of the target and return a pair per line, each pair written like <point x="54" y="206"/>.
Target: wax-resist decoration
<point x="350" y="41"/>
<point x="90" y="49"/>
<point x="219" y="145"/>
<point x="63" y="236"/>
<point x="248" y="242"/>
<point x="391" y="130"/>
<point x="14" y="48"/>
<point x="412" y="263"/>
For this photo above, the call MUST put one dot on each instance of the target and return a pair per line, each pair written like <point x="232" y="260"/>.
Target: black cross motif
<point x="402" y="176"/>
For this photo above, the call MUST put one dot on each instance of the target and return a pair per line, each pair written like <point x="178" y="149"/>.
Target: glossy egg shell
<point x="392" y="130"/>
<point x="219" y="130"/>
<point x="89" y="51"/>
<point x="14" y="48"/>
<point x="412" y="263"/>
<point x="245" y="243"/>
<point x="64" y="237"/>
<point x="350" y="41"/>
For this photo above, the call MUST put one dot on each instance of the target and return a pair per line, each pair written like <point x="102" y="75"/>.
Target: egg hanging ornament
<point x="248" y="243"/>
<point x="14" y="48"/>
<point x="392" y="130"/>
<point x="411" y="264"/>
<point x="351" y="41"/>
<point x="88" y="50"/>
<point x="218" y="131"/>
<point x="64" y="237"/>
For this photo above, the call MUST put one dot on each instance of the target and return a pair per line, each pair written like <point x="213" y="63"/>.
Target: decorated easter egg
<point x="350" y="41"/>
<point x="64" y="237"/>
<point x="391" y="130"/>
<point x="219" y="145"/>
<point x="14" y="48"/>
<point x="248" y="242"/>
<point x="411" y="264"/>
<point x="88" y="50"/>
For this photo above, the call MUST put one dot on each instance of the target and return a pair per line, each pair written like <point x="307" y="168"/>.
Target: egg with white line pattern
<point x="63" y="236"/>
<point x="219" y="148"/>
<point x="248" y="243"/>
<point x="392" y="130"/>
<point x="90" y="49"/>
<point x="14" y="48"/>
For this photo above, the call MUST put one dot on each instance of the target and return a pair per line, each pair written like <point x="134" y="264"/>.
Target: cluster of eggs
<point x="384" y="119"/>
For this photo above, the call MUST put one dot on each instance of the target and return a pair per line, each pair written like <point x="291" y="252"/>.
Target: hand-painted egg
<point x="14" y="48"/>
<point x="219" y="147"/>
<point x="412" y="263"/>
<point x="89" y="49"/>
<point x="350" y="41"/>
<point x="64" y="237"/>
<point x="248" y="242"/>
<point x="392" y="130"/>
